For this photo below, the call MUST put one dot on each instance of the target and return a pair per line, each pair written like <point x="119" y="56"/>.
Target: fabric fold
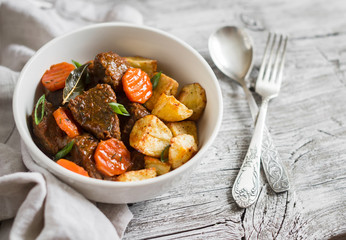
<point x="24" y="197"/>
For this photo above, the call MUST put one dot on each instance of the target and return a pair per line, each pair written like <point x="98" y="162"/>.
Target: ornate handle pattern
<point x="246" y="187"/>
<point x="275" y="172"/>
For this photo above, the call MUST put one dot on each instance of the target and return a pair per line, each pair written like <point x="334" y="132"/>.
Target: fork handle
<point x="274" y="170"/>
<point x="246" y="188"/>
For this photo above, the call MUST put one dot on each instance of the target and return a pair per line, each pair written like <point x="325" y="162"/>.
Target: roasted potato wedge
<point x="138" y="175"/>
<point x="150" y="136"/>
<point x="194" y="97"/>
<point x="182" y="148"/>
<point x="160" y="167"/>
<point x="165" y="85"/>
<point x="184" y="127"/>
<point x="147" y="65"/>
<point x="169" y="109"/>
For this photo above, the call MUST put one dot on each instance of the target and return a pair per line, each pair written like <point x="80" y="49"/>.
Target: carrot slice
<point x="54" y="78"/>
<point x="112" y="157"/>
<point x="72" y="167"/>
<point x="137" y="85"/>
<point x="64" y="120"/>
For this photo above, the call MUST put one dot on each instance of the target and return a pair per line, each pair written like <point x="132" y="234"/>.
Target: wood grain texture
<point x="307" y="122"/>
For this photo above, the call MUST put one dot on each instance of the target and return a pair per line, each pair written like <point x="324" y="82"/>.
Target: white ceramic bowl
<point x="175" y="58"/>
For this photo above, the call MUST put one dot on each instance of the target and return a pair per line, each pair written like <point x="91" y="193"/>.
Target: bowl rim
<point x="28" y="141"/>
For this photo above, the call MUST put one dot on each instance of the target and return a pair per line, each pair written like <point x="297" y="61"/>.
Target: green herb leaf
<point x="164" y="154"/>
<point x="77" y="64"/>
<point x="40" y="101"/>
<point x="75" y="83"/>
<point x="63" y="152"/>
<point x="155" y="80"/>
<point x="119" y="108"/>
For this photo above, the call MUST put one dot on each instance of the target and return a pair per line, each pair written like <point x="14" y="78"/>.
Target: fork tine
<point x="279" y="79"/>
<point x="277" y="60"/>
<point x="264" y="60"/>
<point x="269" y="65"/>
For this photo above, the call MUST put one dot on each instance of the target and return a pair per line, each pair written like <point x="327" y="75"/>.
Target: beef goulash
<point x="116" y="118"/>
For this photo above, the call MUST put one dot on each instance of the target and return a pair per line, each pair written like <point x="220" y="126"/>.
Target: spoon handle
<point x="274" y="170"/>
<point x="246" y="187"/>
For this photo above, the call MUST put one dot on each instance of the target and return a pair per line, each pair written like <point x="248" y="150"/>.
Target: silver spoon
<point x="232" y="52"/>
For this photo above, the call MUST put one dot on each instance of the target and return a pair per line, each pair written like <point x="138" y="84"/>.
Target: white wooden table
<point x="307" y="122"/>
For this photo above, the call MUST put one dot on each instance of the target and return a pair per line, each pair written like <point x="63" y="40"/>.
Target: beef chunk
<point x="109" y="68"/>
<point x="83" y="154"/>
<point x="91" y="68"/>
<point x="55" y="97"/>
<point x="91" y="80"/>
<point x="92" y="111"/>
<point x="137" y="161"/>
<point x="136" y="110"/>
<point x="47" y="132"/>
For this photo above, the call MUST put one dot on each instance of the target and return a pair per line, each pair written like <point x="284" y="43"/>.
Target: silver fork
<point x="246" y="188"/>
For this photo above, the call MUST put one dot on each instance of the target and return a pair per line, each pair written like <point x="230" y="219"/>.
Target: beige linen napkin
<point x="34" y="204"/>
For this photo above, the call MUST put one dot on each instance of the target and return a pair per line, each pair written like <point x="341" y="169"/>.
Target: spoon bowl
<point x="232" y="52"/>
